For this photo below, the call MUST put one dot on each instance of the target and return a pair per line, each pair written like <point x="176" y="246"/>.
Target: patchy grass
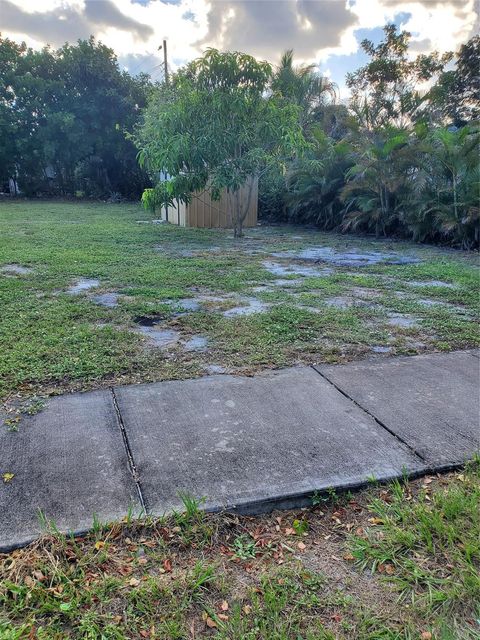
<point x="395" y="562"/>
<point x="52" y="341"/>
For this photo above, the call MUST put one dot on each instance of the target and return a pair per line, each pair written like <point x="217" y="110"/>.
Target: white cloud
<point x="445" y="24"/>
<point x="315" y="29"/>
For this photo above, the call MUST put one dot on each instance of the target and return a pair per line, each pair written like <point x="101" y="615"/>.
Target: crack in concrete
<point x="131" y="462"/>
<point x="369" y="413"/>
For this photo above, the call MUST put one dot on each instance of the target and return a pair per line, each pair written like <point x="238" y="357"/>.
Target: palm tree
<point x="445" y="195"/>
<point x="377" y="182"/>
<point x="303" y="85"/>
<point x="315" y="181"/>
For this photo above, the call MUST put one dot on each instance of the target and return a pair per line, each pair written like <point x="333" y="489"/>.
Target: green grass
<point x="52" y="342"/>
<point x="394" y="562"/>
<point x="409" y="534"/>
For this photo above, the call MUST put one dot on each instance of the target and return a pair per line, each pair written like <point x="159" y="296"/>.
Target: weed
<point x="244" y="547"/>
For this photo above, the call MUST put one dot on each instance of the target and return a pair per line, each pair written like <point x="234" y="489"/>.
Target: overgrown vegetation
<point x="396" y="562"/>
<point x="401" y="158"/>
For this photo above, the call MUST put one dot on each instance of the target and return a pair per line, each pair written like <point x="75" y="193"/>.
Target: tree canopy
<point x="64" y="114"/>
<point x="399" y="157"/>
<point x="216" y="127"/>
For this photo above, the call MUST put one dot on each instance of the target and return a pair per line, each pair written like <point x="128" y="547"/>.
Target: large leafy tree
<point x="391" y="88"/>
<point x="456" y="96"/>
<point x="67" y="110"/>
<point x="216" y="128"/>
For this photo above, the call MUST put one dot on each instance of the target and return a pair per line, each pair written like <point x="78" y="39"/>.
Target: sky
<point x="325" y="32"/>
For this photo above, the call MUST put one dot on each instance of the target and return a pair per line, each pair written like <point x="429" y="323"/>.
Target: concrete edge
<point x="299" y="500"/>
<point x="264" y="505"/>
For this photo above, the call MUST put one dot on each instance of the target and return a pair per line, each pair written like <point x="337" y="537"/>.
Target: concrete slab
<point x="69" y="462"/>
<point x="430" y="401"/>
<point x="253" y="443"/>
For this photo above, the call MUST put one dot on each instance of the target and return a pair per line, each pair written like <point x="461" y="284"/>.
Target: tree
<point x="305" y="87"/>
<point x="315" y="181"/>
<point x="215" y="128"/>
<point x="67" y="110"/>
<point x="387" y="91"/>
<point x="445" y="192"/>
<point x="377" y="181"/>
<point x="457" y="92"/>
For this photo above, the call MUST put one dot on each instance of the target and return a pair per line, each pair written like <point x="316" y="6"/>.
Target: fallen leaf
<point x="224" y="606"/>
<point x="142" y="561"/>
<point x="209" y="621"/>
<point x="426" y="635"/>
<point x="150" y="543"/>
<point x="348" y="556"/>
<point x="99" y="544"/>
<point x="38" y="575"/>
<point x="134" y="582"/>
<point x="222" y="616"/>
<point x="302" y="546"/>
<point x="8" y="477"/>
<point x="167" y="565"/>
<point x="247" y="609"/>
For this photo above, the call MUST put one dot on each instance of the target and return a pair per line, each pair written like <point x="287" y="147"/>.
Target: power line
<point x="132" y="73"/>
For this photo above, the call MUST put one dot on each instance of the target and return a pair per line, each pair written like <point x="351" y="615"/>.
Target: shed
<point x="202" y="211"/>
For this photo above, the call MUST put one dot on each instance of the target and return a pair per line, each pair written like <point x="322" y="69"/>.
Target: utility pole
<point x="165" y="65"/>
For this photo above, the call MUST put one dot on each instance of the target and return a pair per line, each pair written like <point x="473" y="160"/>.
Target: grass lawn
<point x="396" y="562"/>
<point x="188" y="302"/>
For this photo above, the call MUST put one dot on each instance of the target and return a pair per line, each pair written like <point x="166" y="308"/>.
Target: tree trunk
<point x="455" y="203"/>
<point x="237" y="213"/>
<point x="239" y="207"/>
